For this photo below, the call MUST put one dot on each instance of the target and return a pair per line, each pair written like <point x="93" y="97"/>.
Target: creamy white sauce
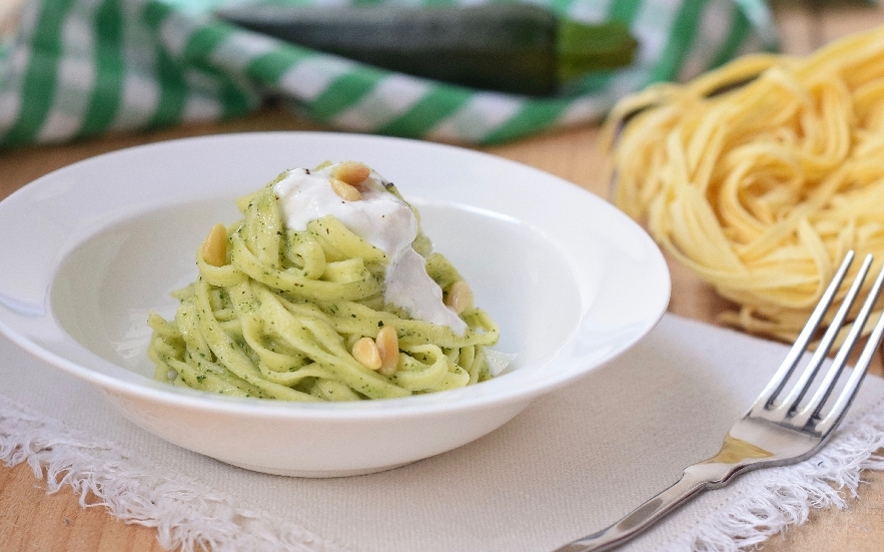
<point x="381" y="219"/>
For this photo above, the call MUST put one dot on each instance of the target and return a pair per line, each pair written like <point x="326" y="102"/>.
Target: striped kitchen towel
<point x="76" y="68"/>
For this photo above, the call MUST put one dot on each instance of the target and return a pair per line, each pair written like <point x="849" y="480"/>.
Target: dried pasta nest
<point x="759" y="176"/>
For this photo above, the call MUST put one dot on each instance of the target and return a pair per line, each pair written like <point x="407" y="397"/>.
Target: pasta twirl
<point x="279" y="312"/>
<point x="759" y="176"/>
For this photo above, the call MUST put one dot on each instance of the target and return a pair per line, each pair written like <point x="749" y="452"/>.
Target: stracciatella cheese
<point x="383" y="220"/>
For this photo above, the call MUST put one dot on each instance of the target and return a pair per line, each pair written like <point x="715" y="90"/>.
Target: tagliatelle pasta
<point x="759" y="176"/>
<point x="304" y="314"/>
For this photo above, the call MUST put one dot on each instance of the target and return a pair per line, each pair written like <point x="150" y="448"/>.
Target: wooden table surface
<point x="31" y="520"/>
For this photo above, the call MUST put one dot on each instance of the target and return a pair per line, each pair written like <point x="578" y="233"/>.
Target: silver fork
<point x="775" y="431"/>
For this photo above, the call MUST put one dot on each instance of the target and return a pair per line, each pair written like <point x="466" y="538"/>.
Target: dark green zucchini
<point x="516" y="48"/>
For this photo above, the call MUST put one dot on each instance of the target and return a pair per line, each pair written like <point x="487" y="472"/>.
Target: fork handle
<point x="696" y="479"/>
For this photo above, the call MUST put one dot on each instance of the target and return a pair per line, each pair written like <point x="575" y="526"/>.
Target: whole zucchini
<point x="516" y="48"/>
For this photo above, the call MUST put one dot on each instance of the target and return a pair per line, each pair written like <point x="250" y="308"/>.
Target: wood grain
<point x="32" y="520"/>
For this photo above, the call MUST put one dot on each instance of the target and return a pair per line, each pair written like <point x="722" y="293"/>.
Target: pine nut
<point x="215" y="246"/>
<point x="460" y="296"/>
<point x="351" y="172"/>
<point x="346" y="191"/>
<point x="365" y="351"/>
<point x="388" y="347"/>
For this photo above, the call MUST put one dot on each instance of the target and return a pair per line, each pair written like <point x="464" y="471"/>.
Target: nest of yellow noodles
<point x="759" y="176"/>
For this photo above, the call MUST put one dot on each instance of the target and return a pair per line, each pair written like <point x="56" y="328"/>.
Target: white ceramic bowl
<point x="91" y="248"/>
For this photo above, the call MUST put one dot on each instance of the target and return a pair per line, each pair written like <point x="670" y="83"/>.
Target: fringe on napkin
<point x="781" y="497"/>
<point x="187" y="517"/>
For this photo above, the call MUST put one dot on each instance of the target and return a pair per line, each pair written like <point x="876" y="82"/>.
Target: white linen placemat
<point x="572" y="463"/>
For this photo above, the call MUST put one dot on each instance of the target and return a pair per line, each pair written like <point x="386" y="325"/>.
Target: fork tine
<point x="790" y="403"/>
<point x="812" y="408"/>
<point x="775" y="386"/>
<point x="844" y="400"/>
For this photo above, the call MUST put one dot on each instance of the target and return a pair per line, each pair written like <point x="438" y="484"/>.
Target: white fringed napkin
<point x="572" y="463"/>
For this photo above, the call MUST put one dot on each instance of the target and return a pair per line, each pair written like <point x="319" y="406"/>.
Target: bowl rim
<point x="497" y="391"/>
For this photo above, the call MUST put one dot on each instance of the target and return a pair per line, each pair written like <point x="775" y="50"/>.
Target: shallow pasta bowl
<point x="92" y="248"/>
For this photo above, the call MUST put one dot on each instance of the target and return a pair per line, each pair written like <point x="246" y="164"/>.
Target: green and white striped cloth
<point x="76" y="68"/>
